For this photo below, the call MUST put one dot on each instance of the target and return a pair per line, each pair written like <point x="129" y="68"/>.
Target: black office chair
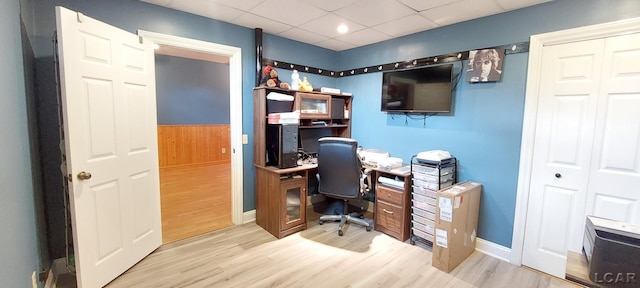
<point x="340" y="176"/>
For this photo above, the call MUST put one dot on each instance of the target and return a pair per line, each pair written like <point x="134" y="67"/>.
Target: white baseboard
<point x="494" y="250"/>
<point x="249" y="216"/>
<point x="59" y="266"/>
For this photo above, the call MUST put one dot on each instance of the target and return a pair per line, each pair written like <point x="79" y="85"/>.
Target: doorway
<point x="192" y="100"/>
<point x="232" y="55"/>
<point x="550" y="211"/>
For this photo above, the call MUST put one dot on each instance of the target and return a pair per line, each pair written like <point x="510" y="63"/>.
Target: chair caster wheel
<point x="320" y="222"/>
<point x="340" y="233"/>
<point x="368" y="229"/>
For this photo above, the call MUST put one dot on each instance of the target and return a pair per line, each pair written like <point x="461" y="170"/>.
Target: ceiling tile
<point x="421" y="5"/>
<point x="254" y="21"/>
<point x="315" y="21"/>
<point x="406" y="25"/>
<point x="209" y="9"/>
<point x="364" y="37"/>
<point x="461" y="11"/>
<point x="291" y="12"/>
<point x="517" y="4"/>
<point x="242" y="4"/>
<point x="327" y="25"/>
<point x="374" y="12"/>
<point x="330" y="5"/>
<point x="335" y="45"/>
<point x="303" y="36"/>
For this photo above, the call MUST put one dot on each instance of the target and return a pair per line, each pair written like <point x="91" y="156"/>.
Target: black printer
<point x="612" y="249"/>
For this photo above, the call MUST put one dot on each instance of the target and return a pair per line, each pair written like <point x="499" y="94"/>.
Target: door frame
<point x="235" y="103"/>
<point x="537" y="43"/>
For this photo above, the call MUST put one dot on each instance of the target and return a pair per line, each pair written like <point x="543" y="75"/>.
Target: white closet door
<point x="587" y="146"/>
<point x="562" y="153"/>
<point x="614" y="179"/>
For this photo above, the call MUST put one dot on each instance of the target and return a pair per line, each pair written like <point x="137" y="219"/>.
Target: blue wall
<point x="485" y="130"/>
<point x="18" y="236"/>
<point x="191" y="92"/>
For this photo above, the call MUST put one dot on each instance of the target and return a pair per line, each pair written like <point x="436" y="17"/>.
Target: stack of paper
<point x="284" y="118"/>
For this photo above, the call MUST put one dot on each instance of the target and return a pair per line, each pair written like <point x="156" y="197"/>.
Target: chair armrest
<point x="365" y="187"/>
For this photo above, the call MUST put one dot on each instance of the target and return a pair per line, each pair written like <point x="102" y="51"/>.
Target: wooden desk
<point x="392" y="206"/>
<point x="281" y="199"/>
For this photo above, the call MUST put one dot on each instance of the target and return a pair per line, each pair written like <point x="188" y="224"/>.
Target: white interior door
<point x="586" y="157"/>
<point x="562" y="153"/>
<point x="615" y="172"/>
<point x="107" y="83"/>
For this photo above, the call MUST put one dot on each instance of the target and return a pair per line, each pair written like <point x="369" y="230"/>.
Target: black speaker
<point x="282" y="145"/>
<point x="337" y="108"/>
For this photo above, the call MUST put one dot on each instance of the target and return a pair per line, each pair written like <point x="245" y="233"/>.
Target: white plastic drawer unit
<point x="425" y="192"/>
<point x="432" y="170"/>
<point x="423" y="213"/>
<point x="422" y="234"/>
<point x="425" y="199"/>
<point x="431" y="186"/>
<point x="433" y="178"/>
<point x="423" y="224"/>
<point x="423" y="206"/>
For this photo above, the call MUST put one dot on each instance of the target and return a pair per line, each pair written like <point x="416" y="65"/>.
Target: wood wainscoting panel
<point x="193" y="144"/>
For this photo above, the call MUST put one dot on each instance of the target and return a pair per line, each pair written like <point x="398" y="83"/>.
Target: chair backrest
<point x="339" y="167"/>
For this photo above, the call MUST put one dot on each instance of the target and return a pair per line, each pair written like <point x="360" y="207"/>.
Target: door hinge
<point x="70" y="178"/>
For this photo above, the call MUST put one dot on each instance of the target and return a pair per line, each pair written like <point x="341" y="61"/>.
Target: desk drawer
<point x="389" y="216"/>
<point x="389" y="195"/>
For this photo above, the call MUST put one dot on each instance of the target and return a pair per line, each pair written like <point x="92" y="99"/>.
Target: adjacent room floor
<point x="195" y="199"/>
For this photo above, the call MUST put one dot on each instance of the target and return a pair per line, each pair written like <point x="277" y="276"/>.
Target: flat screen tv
<point x="419" y="90"/>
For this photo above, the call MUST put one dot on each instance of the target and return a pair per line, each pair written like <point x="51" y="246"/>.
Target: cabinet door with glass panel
<point x="313" y="106"/>
<point x="293" y="202"/>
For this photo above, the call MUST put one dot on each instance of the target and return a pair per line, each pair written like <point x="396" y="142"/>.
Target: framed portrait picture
<point x="485" y="65"/>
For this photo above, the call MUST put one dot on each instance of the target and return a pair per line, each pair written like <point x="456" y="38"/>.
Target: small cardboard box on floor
<point x="456" y="224"/>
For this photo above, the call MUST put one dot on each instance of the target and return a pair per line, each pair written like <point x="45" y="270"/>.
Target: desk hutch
<point x="281" y="194"/>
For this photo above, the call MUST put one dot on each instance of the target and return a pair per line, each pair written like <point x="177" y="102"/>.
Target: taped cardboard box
<point x="456" y="224"/>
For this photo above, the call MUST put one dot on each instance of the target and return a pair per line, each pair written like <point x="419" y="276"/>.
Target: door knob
<point x="84" y="175"/>
<point x="558" y="175"/>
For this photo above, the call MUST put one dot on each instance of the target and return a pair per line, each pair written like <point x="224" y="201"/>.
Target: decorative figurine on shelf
<point x="305" y="85"/>
<point x="270" y="79"/>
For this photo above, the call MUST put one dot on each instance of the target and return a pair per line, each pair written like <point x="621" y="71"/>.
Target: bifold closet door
<point x="586" y="159"/>
<point x="614" y="178"/>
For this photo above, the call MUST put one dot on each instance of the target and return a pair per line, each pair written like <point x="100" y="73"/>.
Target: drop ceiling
<point x="369" y="21"/>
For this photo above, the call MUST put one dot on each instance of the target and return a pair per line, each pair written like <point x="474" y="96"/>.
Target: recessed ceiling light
<point x="342" y="28"/>
<point x="156" y="46"/>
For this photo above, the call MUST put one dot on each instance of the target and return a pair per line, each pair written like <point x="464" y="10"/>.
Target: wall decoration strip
<point x="515" y="48"/>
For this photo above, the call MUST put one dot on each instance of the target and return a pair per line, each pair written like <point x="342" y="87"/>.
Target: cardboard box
<point x="456" y="224"/>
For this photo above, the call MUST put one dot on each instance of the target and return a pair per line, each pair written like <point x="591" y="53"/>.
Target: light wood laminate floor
<point x="195" y="199"/>
<point x="248" y="256"/>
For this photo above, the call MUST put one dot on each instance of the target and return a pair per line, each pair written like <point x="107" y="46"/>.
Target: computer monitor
<point x="309" y="138"/>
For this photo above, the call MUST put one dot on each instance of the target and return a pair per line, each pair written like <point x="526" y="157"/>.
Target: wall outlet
<point x="224" y="150"/>
<point x="34" y="280"/>
<point x="245" y="139"/>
